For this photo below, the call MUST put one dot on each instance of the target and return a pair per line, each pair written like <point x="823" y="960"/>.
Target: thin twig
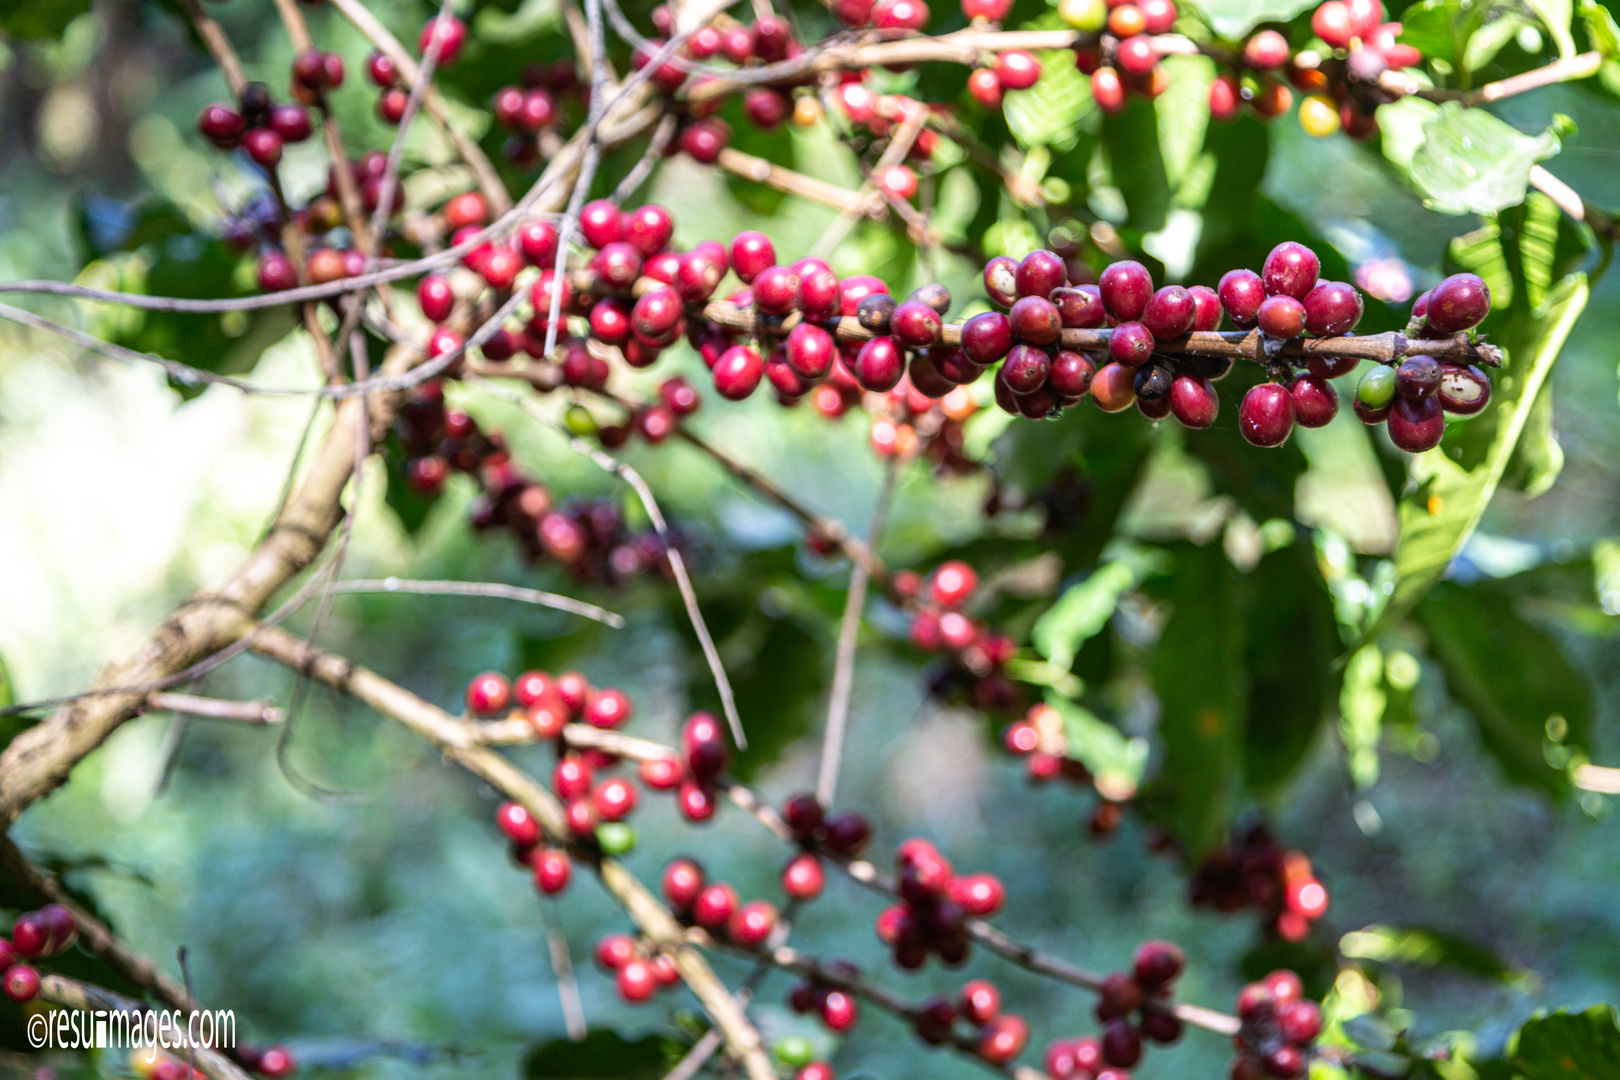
<point x="672" y="553"/>
<point x="832" y="744"/>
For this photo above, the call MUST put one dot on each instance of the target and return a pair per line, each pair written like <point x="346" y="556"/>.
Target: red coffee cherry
<point x="488" y="694"/>
<point x="1266" y="416"/>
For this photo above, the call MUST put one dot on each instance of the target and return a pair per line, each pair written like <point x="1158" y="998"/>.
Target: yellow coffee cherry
<point x="1087" y="15"/>
<point x="1319" y="116"/>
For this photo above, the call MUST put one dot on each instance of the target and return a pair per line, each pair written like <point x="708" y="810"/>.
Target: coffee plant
<point x="573" y="274"/>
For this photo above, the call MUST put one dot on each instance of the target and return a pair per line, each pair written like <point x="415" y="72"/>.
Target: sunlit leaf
<point x="1471" y="162"/>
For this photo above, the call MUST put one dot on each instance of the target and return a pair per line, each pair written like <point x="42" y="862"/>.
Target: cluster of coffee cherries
<point x="261" y="126"/>
<point x="1254" y="870"/>
<point x="842" y="833"/>
<point x="1039" y="739"/>
<point x="975" y="655"/>
<point x="548" y="703"/>
<point x="716" y="907"/>
<point x="34" y="936"/>
<point x="1279" y="1027"/>
<point x="638" y="972"/>
<point x="998" y="1037"/>
<point x="934" y="906"/>
<point x="1414" y="396"/>
<point x="1123" y="60"/>
<point x="590" y="538"/>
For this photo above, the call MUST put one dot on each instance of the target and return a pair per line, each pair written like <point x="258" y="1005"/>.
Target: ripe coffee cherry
<point x="488" y="694"/>
<point x="898" y="182"/>
<point x="614" y="799"/>
<point x="682" y="881"/>
<point x="1266" y="51"/>
<point x="1080" y="308"/>
<point x="1131" y="344"/>
<point x="979" y="1001"/>
<point x="517" y="824"/>
<point x="775" y="289"/>
<point x="986" y="337"/>
<point x="1332" y="308"/>
<point x="1281" y="317"/>
<point x="704" y="139"/>
<point x="1316" y="402"/>
<point x="1170" y="312"/>
<point x="1193" y="401"/>
<point x="1463" y="391"/>
<point x="221" y="125"/>
<point x="752" y="923"/>
<point x="1121" y="1045"/>
<point x="613" y="951"/>
<point x="953" y="584"/>
<point x="1458" y="303"/>
<point x="1416" y="424"/>
<point x="1003" y="1038"/>
<point x="847" y="833"/>
<point x="714" y="905"/>
<point x="1157" y="963"/>
<point x="1001" y="280"/>
<point x="263" y="145"/>
<point x="636" y="981"/>
<point x="1290" y="270"/>
<point x="1266" y="416"/>
<point x="737" y="373"/>
<point x="751" y="254"/>
<point x="819" y="296"/>
<point x="1418" y="377"/>
<point x="434" y="295"/>
<point x="1071" y="374"/>
<point x="803" y="877"/>
<point x="916" y="325"/>
<point x="879" y="365"/>
<point x="1125" y="288"/>
<point x="1241" y="293"/>
<point x="838" y="1010"/>
<point x="979" y="894"/>
<point x="451" y="33"/>
<point x="1026" y="368"/>
<point x="985" y="87"/>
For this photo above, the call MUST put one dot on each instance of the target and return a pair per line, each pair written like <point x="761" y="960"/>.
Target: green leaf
<point x="1085" y="608"/>
<point x="1199" y="678"/>
<point x="1235" y="18"/>
<point x="1513" y="679"/>
<point x="1115" y="761"/>
<point x="1416" y="946"/>
<point x="1556" y="15"/>
<point x="1471" y="162"/>
<point x="1601" y="28"/>
<point x="1566" y="1045"/>
<point x="1447" y="500"/>
<point x="24" y="19"/>
<point x="1050" y="112"/>
<point x="602" y="1055"/>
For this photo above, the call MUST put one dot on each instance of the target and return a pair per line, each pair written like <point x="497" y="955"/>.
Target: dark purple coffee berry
<point x="1417" y="377"/>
